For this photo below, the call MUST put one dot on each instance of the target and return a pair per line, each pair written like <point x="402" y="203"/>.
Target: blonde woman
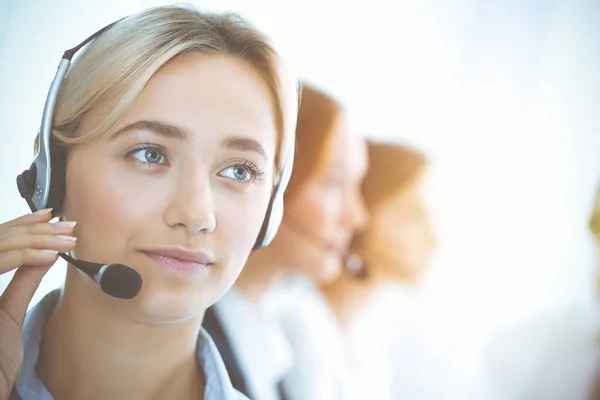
<point x="170" y="145"/>
<point x="595" y="229"/>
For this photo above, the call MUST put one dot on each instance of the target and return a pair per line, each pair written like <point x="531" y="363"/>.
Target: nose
<point x="191" y="205"/>
<point x="355" y="215"/>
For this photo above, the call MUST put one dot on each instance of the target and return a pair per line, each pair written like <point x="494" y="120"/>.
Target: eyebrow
<point x="176" y="132"/>
<point x="158" y="128"/>
<point x="244" y="144"/>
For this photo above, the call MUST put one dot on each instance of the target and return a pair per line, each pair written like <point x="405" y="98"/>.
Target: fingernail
<point x="65" y="224"/>
<point x="44" y="211"/>
<point x="64" y="237"/>
<point x="49" y="251"/>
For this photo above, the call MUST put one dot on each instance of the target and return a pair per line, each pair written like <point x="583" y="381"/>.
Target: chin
<point x="165" y="310"/>
<point x="159" y="304"/>
<point x="331" y="269"/>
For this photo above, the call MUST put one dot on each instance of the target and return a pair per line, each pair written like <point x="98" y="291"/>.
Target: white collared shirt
<point x="261" y="349"/>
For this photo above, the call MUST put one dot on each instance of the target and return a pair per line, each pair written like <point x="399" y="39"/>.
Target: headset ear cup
<point x="26" y="185"/>
<point x="272" y="220"/>
<point x="274" y="214"/>
<point x="264" y="229"/>
<point x="58" y="157"/>
<point x="275" y="218"/>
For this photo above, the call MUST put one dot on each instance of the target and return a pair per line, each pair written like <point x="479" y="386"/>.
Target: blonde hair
<point x="116" y="66"/>
<point x="594" y="222"/>
<point x="393" y="168"/>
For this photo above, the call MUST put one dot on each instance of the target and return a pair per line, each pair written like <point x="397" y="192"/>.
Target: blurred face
<point x="398" y="241"/>
<point x="320" y="220"/>
<point x="179" y="190"/>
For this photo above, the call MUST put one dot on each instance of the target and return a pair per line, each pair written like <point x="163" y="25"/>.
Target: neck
<point x="88" y="351"/>
<point x="261" y="272"/>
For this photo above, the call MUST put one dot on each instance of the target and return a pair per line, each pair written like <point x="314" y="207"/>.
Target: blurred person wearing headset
<point x="164" y="151"/>
<point x="376" y="300"/>
<point x="396" y="245"/>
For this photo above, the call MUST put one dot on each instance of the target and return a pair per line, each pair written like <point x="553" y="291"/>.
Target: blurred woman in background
<point x="595" y="229"/>
<point x="397" y="243"/>
<point x="323" y="208"/>
<point x="376" y="301"/>
<point x="336" y="360"/>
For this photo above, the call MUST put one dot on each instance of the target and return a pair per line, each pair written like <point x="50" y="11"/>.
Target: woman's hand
<point x="31" y="244"/>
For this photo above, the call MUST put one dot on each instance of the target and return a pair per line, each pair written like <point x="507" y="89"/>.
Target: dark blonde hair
<point x="392" y="168"/>
<point x="317" y="116"/>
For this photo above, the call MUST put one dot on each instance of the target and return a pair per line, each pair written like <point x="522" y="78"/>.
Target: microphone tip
<point x="355" y="266"/>
<point x="120" y="281"/>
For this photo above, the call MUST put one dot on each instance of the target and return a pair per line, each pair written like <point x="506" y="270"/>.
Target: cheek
<point x="321" y="210"/>
<point x="239" y="217"/>
<point x="108" y="208"/>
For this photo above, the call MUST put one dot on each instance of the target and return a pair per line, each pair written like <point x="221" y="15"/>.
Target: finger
<point x="59" y="243"/>
<point x="38" y="216"/>
<point x="54" y="228"/>
<point x="12" y="259"/>
<point x="20" y="290"/>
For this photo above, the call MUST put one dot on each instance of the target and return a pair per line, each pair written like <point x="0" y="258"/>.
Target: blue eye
<point x="242" y="173"/>
<point x="237" y="172"/>
<point x="148" y="155"/>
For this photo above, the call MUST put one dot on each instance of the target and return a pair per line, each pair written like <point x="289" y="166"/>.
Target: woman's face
<point x="179" y="190"/>
<point x="320" y="219"/>
<point x="399" y="240"/>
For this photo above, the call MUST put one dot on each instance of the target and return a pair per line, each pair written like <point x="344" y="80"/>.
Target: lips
<point x="174" y="259"/>
<point x="340" y="247"/>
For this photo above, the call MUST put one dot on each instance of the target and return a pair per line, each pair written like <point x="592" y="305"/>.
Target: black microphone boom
<point x="116" y="280"/>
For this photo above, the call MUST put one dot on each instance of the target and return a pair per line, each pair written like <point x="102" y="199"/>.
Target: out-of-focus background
<point x="502" y="96"/>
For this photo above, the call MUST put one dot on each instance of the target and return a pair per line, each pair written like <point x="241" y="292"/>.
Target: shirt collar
<point x="29" y="386"/>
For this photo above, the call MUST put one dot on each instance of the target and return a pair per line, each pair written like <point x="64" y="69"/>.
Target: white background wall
<point x="503" y="96"/>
